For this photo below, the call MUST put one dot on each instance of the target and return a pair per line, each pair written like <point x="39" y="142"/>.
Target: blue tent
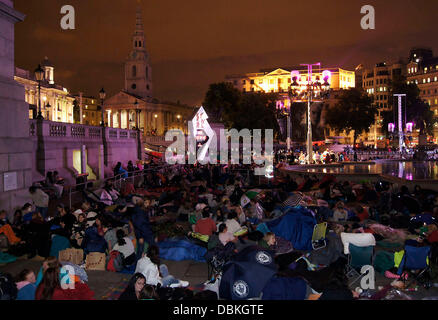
<point x="178" y="250"/>
<point x="295" y="226"/>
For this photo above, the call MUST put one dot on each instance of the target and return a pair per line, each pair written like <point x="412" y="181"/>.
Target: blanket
<point x="178" y="250"/>
<point x="295" y="226"/>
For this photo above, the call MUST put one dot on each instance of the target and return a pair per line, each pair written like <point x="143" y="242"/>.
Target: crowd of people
<point x="210" y="206"/>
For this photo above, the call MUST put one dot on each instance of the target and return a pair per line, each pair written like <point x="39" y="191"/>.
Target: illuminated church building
<point x="135" y="106"/>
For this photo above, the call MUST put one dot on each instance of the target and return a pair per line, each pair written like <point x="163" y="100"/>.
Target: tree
<point x="256" y="111"/>
<point x="227" y="105"/>
<point x="220" y="101"/>
<point x="353" y="112"/>
<point x="417" y="111"/>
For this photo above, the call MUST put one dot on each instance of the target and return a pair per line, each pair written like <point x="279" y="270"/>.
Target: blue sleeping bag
<point x="178" y="250"/>
<point x="285" y="289"/>
<point x="295" y="226"/>
<point x="59" y="243"/>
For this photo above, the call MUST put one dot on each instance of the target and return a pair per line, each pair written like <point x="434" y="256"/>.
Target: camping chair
<point x="318" y="237"/>
<point x="416" y="259"/>
<point x="358" y="257"/>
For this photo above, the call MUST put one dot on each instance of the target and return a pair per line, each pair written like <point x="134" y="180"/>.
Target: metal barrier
<point x="118" y="180"/>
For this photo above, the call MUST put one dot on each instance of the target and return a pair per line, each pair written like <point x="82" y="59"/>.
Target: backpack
<point x="8" y="289"/>
<point x="115" y="262"/>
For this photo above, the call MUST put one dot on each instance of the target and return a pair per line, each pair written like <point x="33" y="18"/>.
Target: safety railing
<point x="134" y="177"/>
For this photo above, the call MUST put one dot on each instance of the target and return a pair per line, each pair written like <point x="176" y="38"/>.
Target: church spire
<point x="138" y="71"/>
<point x="139" y="38"/>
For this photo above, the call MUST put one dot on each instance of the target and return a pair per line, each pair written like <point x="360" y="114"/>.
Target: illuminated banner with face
<point x="200" y="131"/>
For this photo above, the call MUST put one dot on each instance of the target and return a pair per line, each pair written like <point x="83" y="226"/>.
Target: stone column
<point x="83" y="159"/>
<point x="16" y="158"/>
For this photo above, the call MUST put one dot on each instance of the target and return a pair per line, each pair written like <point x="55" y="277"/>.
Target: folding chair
<point x="358" y="257"/>
<point x="416" y="259"/>
<point x="318" y="237"/>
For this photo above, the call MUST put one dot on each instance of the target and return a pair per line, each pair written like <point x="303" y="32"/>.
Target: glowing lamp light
<point x="280" y="105"/>
<point x="326" y="76"/>
<point x="391" y="127"/>
<point x="295" y="76"/>
<point x="409" y="126"/>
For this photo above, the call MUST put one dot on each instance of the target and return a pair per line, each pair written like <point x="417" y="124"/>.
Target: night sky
<point x="194" y="43"/>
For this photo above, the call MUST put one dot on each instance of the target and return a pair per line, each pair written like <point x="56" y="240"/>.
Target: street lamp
<point x="39" y="74"/>
<point x="137" y="111"/>
<point x="313" y="90"/>
<point x="102" y="95"/>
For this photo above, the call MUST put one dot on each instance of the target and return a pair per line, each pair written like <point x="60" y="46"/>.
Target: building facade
<point x="56" y="101"/>
<point x="376" y="82"/>
<point x="87" y="110"/>
<point x="422" y="70"/>
<point x="279" y="80"/>
<point x="135" y="106"/>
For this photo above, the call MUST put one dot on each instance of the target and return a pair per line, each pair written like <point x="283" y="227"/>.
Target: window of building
<point x="235" y="82"/>
<point x="244" y="81"/>
<point x="279" y="81"/>
<point x="134" y="71"/>
<point x="271" y="81"/>
<point x="134" y="86"/>
<point x="244" y="90"/>
<point x="252" y="81"/>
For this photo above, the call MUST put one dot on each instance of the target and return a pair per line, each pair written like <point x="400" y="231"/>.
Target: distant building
<point x="56" y="101"/>
<point x="87" y="110"/>
<point x="279" y="79"/>
<point x="422" y="70"/>
<point x="135" y="106"/>
<point x="376" y="82"/>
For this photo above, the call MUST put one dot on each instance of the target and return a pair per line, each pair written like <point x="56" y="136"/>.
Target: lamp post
<point x="39" y="74"/>
<point x="102" y="95"/>
<point x="400" y="121"/>
<point x="313" y="90"/>
<point x="139" y="147"/>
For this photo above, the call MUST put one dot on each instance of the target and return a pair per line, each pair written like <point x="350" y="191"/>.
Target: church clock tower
<point x="138" y="71"/>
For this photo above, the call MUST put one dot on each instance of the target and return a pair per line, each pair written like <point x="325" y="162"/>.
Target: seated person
<point x="7" y="230"/>
<point x="148" y="266"/>
<point x="125" y="246"/>
<point x="78" y="231"/>
<point x="361" y="213"/>
<point x="233" y="225"/>
<point x="26" y="285"/>
<point x="135" y="287"/>
<point x="268" y="241"/>
<point x="205" y="225"/>
<point x="51" y="288"/>
<point x="225" y="236"/>
<point x="93" y="241"/>
<point x="340" y="214"/>
<point x="110" y="235"/>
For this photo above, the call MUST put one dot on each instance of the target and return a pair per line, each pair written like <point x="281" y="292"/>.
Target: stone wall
<point x="15" y="147"/>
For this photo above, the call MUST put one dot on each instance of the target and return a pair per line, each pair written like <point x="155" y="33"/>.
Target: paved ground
<point x="102" y="281"/>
